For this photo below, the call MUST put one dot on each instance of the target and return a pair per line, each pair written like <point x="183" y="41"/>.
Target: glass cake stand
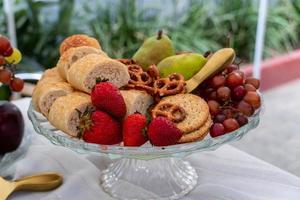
<point x="143" y="172"/>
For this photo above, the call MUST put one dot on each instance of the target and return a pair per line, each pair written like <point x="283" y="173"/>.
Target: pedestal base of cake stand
<point x="159" y="179"/>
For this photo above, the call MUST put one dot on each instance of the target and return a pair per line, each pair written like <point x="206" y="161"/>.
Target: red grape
<point x="241" y="73"/>
<point x="249" y="87"/>
<point x="227" y="112"/>
<point x="219" y="118"/>
<point x="232" y="67"/>
<point x="17" y="84"/>
<point x="223" y="93"/>
<point x="245" y="108"/>
<point x="4" y="45"/>
<point x="253" y="99"/>
<point x="5" y="76"/>
<point x="217" y="81"/>
<point x="2" y="60"/>
<point x="207" y="91"/>
<point x="212" y="95"/>
<point x="214" y="107"/>
<point x="242" y="119"/>
<point x="8" y="52"/>
<point x="230" y="124"/>
<point x="253" y="81"/>
<point x="217" y="129"/>
<point x="234" y="79"/>
<point x="238" y="92"/>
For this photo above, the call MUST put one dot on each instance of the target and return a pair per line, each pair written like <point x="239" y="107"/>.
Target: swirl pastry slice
<point x="74" y="54"/>
<point x="50" y="77"/>
<point x="136" y="101"/>
<point x="48" y="93"/>
<point x="65" y="112"/>
<point x="84" y="72"/>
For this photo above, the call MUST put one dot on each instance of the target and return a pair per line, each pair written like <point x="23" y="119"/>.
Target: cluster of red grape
<point x="9" y="57"/>
<point x="231" y="98"/>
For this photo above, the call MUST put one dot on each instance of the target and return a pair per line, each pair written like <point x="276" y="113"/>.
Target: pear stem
<point x="159" y="34"/>
<point x="229" y="39"/>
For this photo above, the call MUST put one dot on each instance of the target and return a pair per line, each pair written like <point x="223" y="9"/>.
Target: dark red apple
<point x="11" y="127"/>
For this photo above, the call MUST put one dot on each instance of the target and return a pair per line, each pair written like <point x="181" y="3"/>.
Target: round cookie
<point x="197" y="111"/>
<point x="198" y="134"/>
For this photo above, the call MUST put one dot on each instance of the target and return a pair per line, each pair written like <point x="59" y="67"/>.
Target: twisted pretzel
<point x="153" y="72"/>
<point x="126" y="61"/>
<point x="171" y="111"/>
<point x="151" y="82"/>
<point x="138" y="76"/>
<point x="173" y="84"/>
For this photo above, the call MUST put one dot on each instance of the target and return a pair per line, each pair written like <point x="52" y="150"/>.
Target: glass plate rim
<point x="73" y="143"/>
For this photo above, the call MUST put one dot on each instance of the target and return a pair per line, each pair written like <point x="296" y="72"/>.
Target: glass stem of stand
<point x="164" y="178"/>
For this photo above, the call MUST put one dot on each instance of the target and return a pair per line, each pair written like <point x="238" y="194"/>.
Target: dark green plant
<point x="122" y="25"/>
<point x="2" y="20"/>
<point x="38" y="34"/>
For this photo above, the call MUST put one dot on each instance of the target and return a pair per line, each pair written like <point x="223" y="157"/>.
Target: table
<point x="224" y="174"/>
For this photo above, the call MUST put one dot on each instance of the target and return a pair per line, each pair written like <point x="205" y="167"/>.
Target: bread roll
<point x="136" y="101"/>
<point x="64" y="112"/>
<point x="48" y="93"/>
<point x="84" y="72"/>
<point x="72" y="55"/>
<point x="78" y="40"/>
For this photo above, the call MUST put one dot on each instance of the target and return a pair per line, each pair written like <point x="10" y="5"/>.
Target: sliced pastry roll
<point x="84" y="72"/>
<point x="65" y="112"/>
<point x="136" y="101"/>
<point x="74" y="54"/>
<point x="48" y="93"/>
<point x="50" y="76"/>
<point x="78" y="40"/>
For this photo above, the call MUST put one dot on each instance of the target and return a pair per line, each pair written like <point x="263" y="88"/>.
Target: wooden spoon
<point x="217" y="62"/>
<point x="39" y="182"/>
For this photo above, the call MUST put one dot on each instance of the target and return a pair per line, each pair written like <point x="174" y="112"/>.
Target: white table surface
<point x="224" y="174"/>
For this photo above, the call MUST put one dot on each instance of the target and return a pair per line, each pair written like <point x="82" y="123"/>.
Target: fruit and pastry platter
<point x="151" y="110"/>
<point x="157" y="96"/>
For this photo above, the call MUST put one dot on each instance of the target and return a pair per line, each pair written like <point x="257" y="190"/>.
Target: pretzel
<point x="151" y="82"/>
<point x="171" y="111"/>
<point x="153" y="72"/>
<point x="138" y="76"/>
<point x="173" y="84"/>
<point x="126" y="61"/>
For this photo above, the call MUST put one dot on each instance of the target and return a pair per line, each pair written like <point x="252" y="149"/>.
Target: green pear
<point x="153" y="50"/>
<point x="187" y="64"/>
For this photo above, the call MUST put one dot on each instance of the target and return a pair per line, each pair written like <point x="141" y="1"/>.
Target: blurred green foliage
<point x="122" y="25"/>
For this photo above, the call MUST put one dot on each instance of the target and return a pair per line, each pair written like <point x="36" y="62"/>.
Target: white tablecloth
<point x="224" y="174"/>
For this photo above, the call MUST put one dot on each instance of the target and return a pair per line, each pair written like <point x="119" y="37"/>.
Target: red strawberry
<point x="134" y="130"/>
<point x="107" y="97"/>
<point x="163" y="132"/>
<point x="103" y="129"/>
